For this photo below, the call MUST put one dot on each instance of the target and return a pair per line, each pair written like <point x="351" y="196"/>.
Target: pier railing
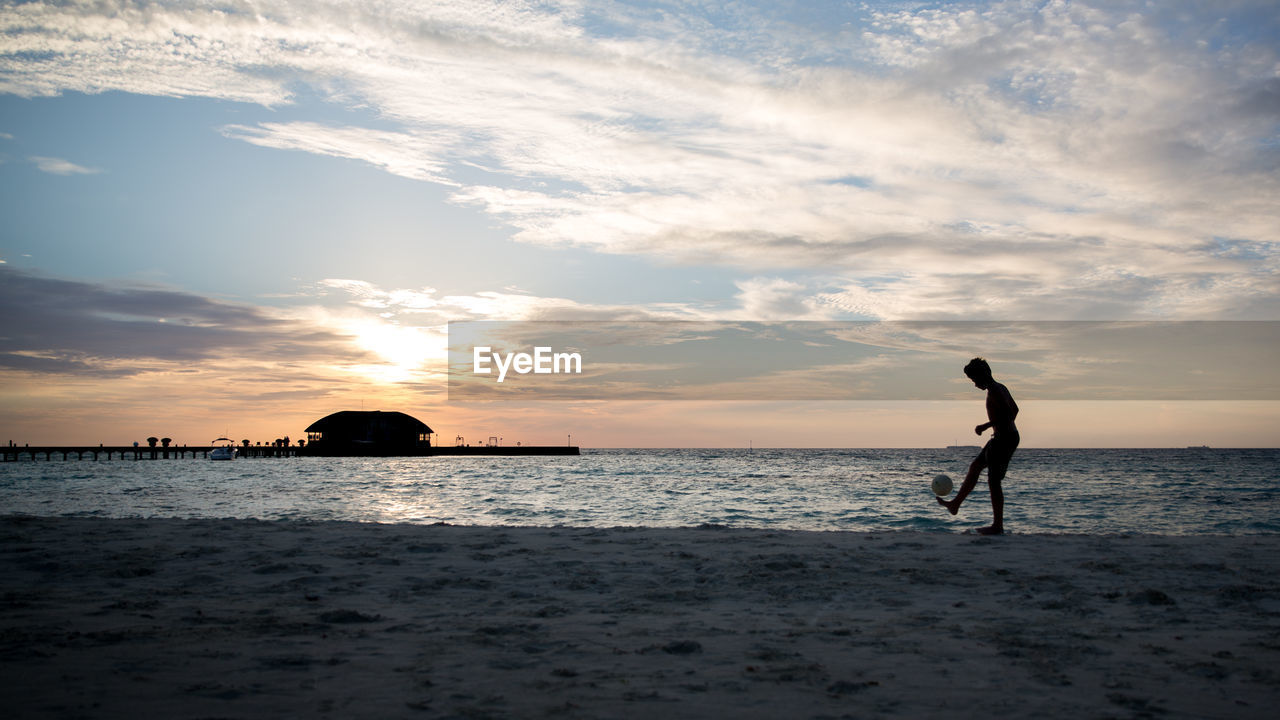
<point x="109" y="452"/>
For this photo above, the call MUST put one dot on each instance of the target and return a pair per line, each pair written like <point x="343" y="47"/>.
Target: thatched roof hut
<point x="373" y="432"/>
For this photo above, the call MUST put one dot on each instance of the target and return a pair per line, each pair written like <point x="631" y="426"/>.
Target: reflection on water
<point x="1086" y="491"/>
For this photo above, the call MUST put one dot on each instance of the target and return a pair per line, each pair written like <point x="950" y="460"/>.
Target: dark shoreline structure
<point x="14" y="453"/>
<point x="349" y="433"/>
<point x="127" y="452"/>
<point x="358" y="432"/>
<point x="374" y="433"/>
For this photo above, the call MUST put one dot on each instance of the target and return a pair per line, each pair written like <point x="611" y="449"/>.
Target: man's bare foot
<point x="952" y="506"/>
<point x="991" y="530"/>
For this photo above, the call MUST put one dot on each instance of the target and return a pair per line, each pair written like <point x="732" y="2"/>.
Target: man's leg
<point x="994" y="480"/>
<point x="966" y="487"/>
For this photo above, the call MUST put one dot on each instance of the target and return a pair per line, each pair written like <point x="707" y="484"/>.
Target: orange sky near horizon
<point x="91" y="414"/>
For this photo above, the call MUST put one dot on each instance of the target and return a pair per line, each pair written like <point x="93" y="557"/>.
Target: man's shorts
<point x="997" y="453"/>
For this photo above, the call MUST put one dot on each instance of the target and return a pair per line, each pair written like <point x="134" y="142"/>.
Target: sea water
<point x="1176" y="492"/>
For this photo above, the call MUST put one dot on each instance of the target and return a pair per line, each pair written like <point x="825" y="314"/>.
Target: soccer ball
<point x="941" y="485"/>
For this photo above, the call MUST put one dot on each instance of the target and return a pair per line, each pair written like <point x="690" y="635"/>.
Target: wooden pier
<point x="14" y="453"/>
<point x="504" y="450"/>
<point x="436" y="450"/>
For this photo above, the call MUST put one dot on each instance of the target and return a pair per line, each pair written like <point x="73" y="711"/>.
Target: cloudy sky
<point x="240" y="216"/>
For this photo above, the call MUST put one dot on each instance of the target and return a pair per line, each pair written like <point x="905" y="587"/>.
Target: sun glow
<point x="406" y="351"/>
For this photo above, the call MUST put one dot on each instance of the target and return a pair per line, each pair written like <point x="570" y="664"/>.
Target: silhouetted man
<point x="1001" y="411"/>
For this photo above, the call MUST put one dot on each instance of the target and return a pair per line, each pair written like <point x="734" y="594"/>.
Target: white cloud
<point x="1063" y="159"/>
<point x="415" y="156"/>
<point x="777" y="299"/>
<point x="58" y="166"/>
<point x="423" y="307"/>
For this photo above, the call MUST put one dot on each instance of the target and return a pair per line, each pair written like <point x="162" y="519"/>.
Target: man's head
<point x="979" y="372"/>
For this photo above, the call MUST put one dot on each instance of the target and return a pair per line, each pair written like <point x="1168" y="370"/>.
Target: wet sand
<point x="247" y="619"/>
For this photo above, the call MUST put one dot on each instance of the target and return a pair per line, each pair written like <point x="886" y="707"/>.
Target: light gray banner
<point x="649" y="360"/>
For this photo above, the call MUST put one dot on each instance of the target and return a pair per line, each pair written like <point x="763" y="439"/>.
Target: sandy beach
<point x="248" y="619"/>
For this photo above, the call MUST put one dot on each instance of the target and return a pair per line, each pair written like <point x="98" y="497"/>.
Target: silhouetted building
<point x="359" y="432"/>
